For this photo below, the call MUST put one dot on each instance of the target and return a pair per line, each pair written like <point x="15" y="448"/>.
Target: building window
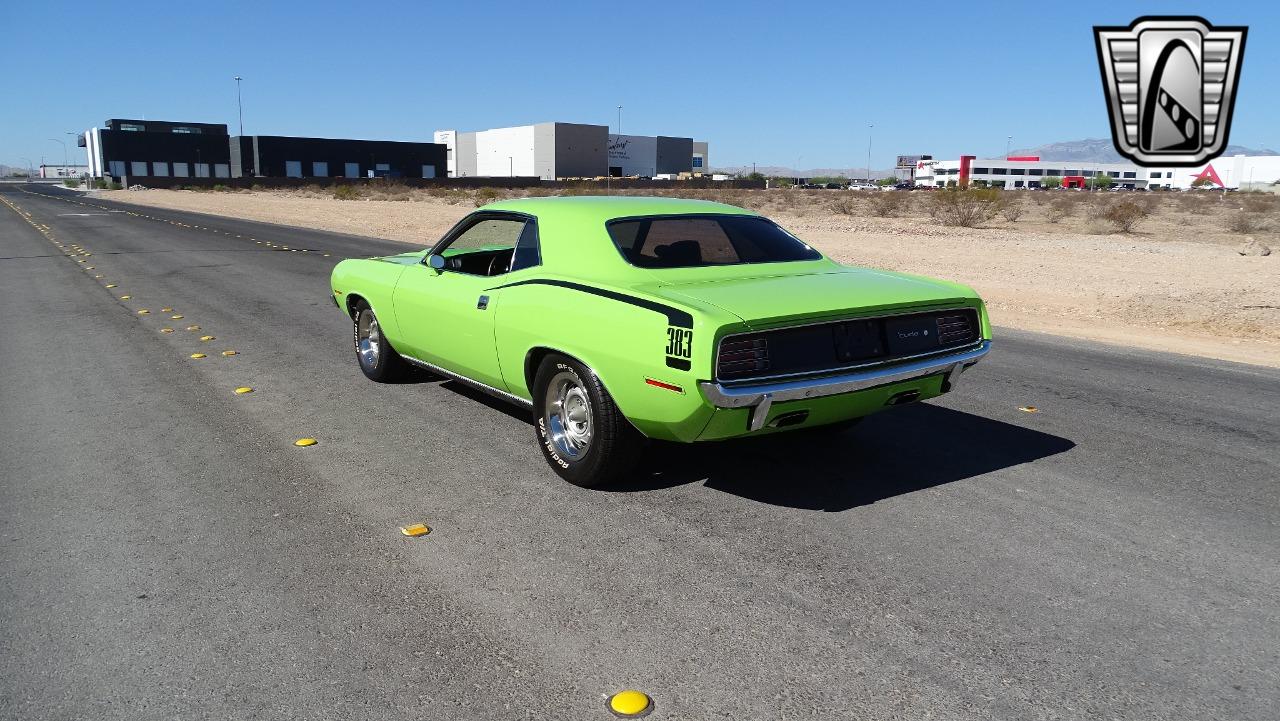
<point x="133" y="127"/>
<point x="997" y="183"/>
<point x="697" y="161"/>
<point x="352" y="171"/>
<point x="428" y="171"/>
<point x="1087" y="173"/>
<point x="320" y="169"/>
<point x="293" y="168"/>
<point x="187" y="129"/>
<point x="1130" y="174"/>
<point x="999" y="171"/>
<point x="160" y="169"/>
<point x="1156" y="175"/>
<point x="1053" y="172"/>
<point x="981" y="171"/>
<point x="1072" y="172"/>
<point x="1035" y="171"/>
<point x="1017" y="171"/>
<point x="1017" y="183"/>
<point x="1033" y="184"/>
<point x="182" y="170"/>
<point x="116" y="168"/>
<point x="202" y="170"/>
<point x="221" y="170"/>
<point x="138" y="168"/>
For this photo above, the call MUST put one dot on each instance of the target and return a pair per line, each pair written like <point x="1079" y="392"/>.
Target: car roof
<point x="600" y="208"/>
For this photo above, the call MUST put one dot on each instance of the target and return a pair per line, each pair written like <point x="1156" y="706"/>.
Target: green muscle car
<point x="616" y="319"/>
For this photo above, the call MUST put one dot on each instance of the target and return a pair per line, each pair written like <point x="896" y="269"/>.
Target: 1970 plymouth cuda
<point x="620" y="318"/>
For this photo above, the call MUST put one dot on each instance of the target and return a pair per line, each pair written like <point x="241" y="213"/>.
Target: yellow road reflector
<point x="305" y="442"/>
<point x="111" y="285"/>
<point x="229" y="353"/>
<point x="193" y="327"/>
<point x="415" y="530"/>
<point x="206" y="338"/>
<point x="176" y="317"/>
<point x="630" y="704"/>
<point x="243" y="389"/>
<point x="166" y="310"/>
<point x="198" y="355"/>
<point x="125" y="297"/>
<point x="166" y="330"/>
<point x="144" y="311"/>
<point x="1028" y="409"/>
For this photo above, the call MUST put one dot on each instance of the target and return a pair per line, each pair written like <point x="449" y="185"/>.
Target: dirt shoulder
<point x="1178" y="284"/>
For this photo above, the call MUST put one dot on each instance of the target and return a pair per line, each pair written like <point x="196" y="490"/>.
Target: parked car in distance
<point x="616" y="319"/>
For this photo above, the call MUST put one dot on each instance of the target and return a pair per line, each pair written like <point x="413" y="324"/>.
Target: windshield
<point x="685" y="241"/>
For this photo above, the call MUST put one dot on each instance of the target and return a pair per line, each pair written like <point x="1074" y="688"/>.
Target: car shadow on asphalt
<point x="889" y="454"/>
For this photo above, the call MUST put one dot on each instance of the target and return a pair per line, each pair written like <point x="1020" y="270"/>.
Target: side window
<point x="527" y="253"/>
<point x="487" y="247"/>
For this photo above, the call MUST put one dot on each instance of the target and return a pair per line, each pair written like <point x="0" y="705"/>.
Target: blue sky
<point x="762" y="82"/>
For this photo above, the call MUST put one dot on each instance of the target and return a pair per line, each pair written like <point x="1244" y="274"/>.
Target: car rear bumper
<point x="760" y="397"/>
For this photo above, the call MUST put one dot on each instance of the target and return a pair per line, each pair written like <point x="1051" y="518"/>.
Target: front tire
<point x="377" y="359"/>
<point x="584" y="437"/>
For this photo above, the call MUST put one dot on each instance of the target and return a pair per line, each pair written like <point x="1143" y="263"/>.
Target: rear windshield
<point x="686" y="241"/>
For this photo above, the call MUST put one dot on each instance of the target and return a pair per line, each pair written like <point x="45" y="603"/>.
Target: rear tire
<point x="584" y="437"/>
<point x="375" y="356"/>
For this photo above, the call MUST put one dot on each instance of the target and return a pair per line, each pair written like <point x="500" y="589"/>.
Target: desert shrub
<point x="1011" y="210"/>
<point x="1124" y="215"/>
<point x="1059" y="209"/>
<point x="71" y="183"/>
<point x="220" y="188"/>
<point x="1242" y="221"/>
<point x="346" y="192"/>
<point x="888" y="202"/>
<point x="1257" y="202"/>
<point x="964" y="207"/>
<point x="484" y="196"/>
<point x="847" y="205"/>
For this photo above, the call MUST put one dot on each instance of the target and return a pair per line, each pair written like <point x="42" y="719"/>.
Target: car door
<point x="444" y="313"/>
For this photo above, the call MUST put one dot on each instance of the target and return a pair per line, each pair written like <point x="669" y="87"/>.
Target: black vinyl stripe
<point x="678" y="363"/>
<point x="675" y="316"/>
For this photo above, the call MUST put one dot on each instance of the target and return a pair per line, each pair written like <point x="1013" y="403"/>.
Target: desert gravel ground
<point x="1178" y="284"/>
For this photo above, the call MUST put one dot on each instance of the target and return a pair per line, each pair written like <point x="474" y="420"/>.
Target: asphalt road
<point x="169" y="553"/>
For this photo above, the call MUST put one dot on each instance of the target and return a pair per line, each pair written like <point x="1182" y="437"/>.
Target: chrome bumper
<point x="760" y="397"/>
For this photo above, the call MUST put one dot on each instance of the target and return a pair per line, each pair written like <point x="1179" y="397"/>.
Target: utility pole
<point x="239" y="104"/>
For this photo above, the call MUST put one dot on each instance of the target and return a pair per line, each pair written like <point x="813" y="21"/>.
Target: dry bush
<point x="1059" y="209"/>
<point x="1259" y="202"/>
<point x="1012" y="210"/>
<point x="1124" y="215"/>
<point x="346" y="192"/>
<point x="887" y="203"/>
<point x="1242" y="221"/>
<point x="847" y="205"/>
<point x="484" y="196"/>
<point x="1194" y="203"/>
<point x="964" y="207"/>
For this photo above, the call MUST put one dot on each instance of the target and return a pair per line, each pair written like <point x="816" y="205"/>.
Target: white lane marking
<point x="77" y="215"/>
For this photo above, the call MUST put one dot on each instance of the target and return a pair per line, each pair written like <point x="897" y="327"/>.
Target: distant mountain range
<point x="1090" y="150"/>
<point x="1098" y="150"/>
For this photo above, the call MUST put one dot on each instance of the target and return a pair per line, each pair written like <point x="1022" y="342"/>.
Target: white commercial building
<point x="63" y="171"/>
<point x="567" y="150"/>
<point x="1247" y="172"/>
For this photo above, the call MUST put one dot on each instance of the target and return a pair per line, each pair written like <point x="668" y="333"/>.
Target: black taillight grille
<point x="742" y="356"/>
<point x="955" y="329"/>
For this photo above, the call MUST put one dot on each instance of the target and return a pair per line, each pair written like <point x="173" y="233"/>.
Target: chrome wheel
<point x="568" y="416"/>
<point x="368" y="339"/>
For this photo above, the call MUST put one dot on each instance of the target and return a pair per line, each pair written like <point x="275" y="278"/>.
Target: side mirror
<point x="436" y="261"/>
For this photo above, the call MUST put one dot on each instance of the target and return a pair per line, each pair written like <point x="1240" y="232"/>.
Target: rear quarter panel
<point x="623" y="343"/>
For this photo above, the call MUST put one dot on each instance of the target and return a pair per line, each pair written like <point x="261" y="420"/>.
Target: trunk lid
<point x="764" y="301"/>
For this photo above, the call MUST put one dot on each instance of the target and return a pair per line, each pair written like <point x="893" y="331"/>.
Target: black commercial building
<point x="275" y="156"/>
<point x="158" y="148"/>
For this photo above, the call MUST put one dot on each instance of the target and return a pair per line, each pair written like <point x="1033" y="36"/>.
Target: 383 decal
<point x="679" y="347"/>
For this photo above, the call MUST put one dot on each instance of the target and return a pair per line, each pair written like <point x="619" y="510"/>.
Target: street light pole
<point x="511" y="166"/>
<point x="65" y="158"/>
<point x="619" y="120"/>
<point x="239" y="104"/>
<point x="30" y="169"/>
<point x="870" y="127"/>
<point x="1007" y="144"/>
